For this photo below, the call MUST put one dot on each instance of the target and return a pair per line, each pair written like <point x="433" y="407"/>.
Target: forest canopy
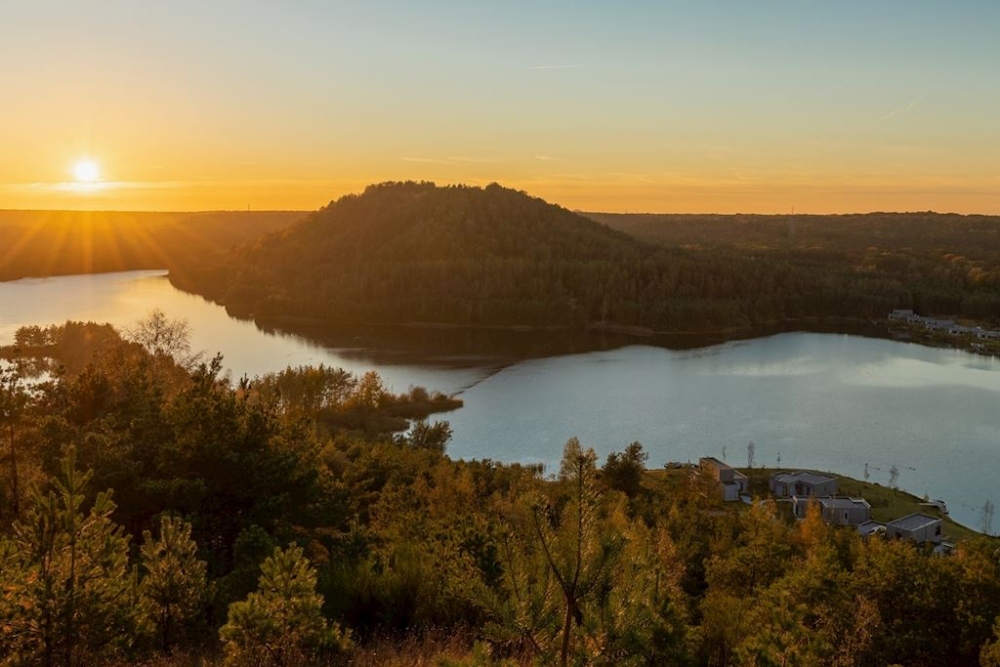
<point x="151" y="509"/>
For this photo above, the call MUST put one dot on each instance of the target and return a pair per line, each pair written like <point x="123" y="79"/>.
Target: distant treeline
<point x="50" y="243"/>
<point x="414" y="252"/>
<point x="945" y="264"/>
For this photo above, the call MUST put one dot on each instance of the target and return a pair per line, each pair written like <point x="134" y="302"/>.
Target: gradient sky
<point x="739" y="106"/>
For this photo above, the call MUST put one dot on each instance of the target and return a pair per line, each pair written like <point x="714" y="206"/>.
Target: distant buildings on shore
<point x="944" y="326"/>
<point x="804" y="489"/>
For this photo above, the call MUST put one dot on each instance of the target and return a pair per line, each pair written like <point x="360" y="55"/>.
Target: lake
<point x="821" y="401"/>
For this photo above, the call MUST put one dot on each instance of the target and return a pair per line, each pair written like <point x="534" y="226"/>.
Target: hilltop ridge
<point x="460" y="255"/>
<point x="417" y="253"/>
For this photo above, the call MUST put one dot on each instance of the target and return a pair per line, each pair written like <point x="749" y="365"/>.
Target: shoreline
<point x="679" y="339"/>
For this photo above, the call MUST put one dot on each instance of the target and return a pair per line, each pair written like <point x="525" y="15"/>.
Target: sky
<point x="670" y="106"/>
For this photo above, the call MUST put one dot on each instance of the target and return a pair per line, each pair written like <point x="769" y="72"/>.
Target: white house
<point x="801" y="483"/>
<point x="733" y="482"/>
<point x="835" y="511"/>
<point x="917" y="527"/>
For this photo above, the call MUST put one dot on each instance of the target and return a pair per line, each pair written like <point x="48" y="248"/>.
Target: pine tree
<point x="69" y="596"/>
<point x="173" y="585"/>
<point x="281" y="622"/>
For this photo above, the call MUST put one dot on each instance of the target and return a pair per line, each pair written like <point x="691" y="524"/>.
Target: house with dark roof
<point x="801" y="483"/>
<point x="835" y="511"/>
<point x="917" y="527"/>
<point x="869" y="528"/>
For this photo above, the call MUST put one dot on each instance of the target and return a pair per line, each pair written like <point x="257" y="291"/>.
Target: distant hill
<point x="47" y="243"/>
<point x="974" y="236"/>
<point x="936" y="263"/>
<point x="415" y="252"/>
<point x="402" y="253"/>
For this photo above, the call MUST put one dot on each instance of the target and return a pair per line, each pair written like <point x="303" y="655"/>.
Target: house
<point x="917" y="527"/>
<point x="835" y="511"/>
<point x="938" y="325"/>
<point x="733" y="482"/>
<point x="901" y="314"/>
<point x="800" y="483"/>
<point x="869" y="528"/>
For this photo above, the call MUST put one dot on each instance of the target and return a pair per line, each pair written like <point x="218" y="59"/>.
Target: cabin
<point x="918" y="527"/>
<point x="938" y="325"/>
<point x="835" y="511"/>
<point x="733" y="482"/>
<point x="869" y="528"/>
<point x="802" y="484"/>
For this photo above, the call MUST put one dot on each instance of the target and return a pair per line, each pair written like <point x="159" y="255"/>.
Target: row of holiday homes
<point x="802" y="489"/>
<point x="945" y="326"/>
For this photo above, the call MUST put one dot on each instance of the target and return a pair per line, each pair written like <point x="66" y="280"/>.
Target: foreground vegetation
<point x="153" y="510"/>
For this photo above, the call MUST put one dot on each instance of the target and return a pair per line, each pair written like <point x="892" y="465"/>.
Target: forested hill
<point x="415" y="252"/>
<point x="48" y="243"/>
<point x="420" y="222"/>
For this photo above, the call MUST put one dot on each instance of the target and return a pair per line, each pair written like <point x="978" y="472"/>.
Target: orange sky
<point x="633" y="106"/>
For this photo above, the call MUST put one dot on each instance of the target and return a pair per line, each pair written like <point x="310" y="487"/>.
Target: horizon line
<point x="572" y="210"/>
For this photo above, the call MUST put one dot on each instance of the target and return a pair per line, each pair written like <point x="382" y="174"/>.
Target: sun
<point x="86" y="171"/>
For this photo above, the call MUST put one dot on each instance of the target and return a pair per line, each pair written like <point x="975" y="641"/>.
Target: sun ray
<point x="145" y="241"/>
<point x="57" y="237"/>
<point x="21" y="242"/>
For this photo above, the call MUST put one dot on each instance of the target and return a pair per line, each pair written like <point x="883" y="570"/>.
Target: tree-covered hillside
<point x="414" y="252"/>
<point x="937" y="264"/>
<point x="417" y="253"/>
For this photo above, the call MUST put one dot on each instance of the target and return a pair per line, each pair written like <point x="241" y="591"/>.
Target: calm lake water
<point x="820" y="401"/>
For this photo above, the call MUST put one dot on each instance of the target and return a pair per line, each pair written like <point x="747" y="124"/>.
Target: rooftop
<point x="913" y="522"/>
<point x="843" y="503"/>
<point x="801" y="476"/>
<point x="712" y="461"/>
<point x="869" y="527"/>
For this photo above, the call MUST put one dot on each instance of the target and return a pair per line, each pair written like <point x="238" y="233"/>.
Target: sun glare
<point x="86" y="171"/>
